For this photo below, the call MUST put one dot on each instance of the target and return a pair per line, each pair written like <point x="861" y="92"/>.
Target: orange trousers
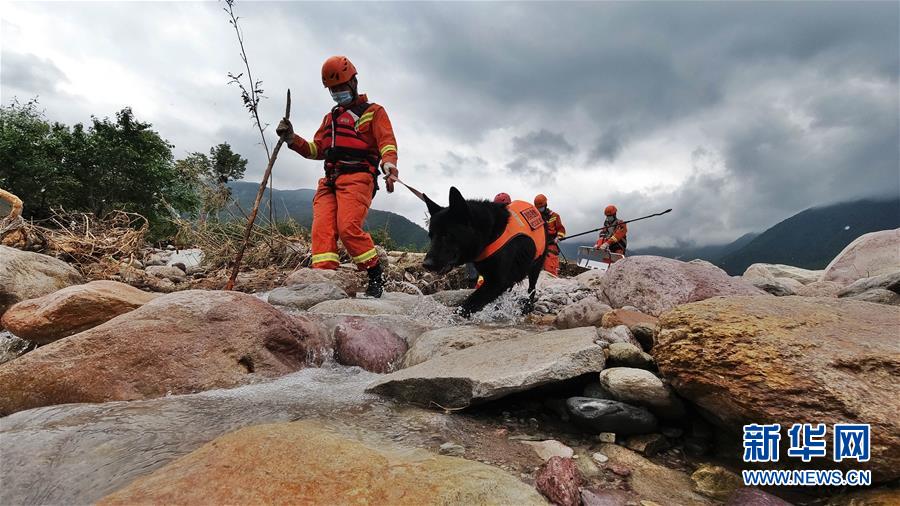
<point x="551" y="263"/>
<point x="339" y="213"/>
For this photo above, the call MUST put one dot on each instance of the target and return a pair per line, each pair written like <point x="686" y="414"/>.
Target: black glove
<point x="285" y="130"/>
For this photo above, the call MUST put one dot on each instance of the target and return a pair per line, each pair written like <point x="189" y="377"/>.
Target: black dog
<point x="460" y="232"/>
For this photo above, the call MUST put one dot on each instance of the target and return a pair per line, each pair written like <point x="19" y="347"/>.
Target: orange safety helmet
<point x="337" y="70"/>
<point x="610" y="210"/>
<point x="540" y="200"/>
<point x="502" y="198"/>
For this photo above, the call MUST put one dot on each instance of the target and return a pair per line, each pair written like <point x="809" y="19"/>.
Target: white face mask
<point x="542" y="208"/>
<point x="342" y="97"/>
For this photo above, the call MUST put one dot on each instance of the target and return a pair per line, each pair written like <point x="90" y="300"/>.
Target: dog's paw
<point x="526" y="304"/>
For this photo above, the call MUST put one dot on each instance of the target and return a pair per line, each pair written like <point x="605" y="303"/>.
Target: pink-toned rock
<point x="559" y="480"/>
<point x="72" y="310"/>
<point x="179" y="343"/>
<point x="655" y="284"/>
<point x="869" y="255"/>
<point x="368" y="345"/>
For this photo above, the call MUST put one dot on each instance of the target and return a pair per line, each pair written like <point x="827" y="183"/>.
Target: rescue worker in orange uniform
<point x="614" y="236"/>
<point x="555" y="231"/>
<point x="356" y="141"/>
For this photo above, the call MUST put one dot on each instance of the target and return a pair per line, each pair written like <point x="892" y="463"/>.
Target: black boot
<point x="376" y="282"/>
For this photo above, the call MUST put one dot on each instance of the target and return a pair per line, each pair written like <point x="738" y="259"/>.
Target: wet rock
<point x="586" y="312"/>
<point x="178" y="343"/>
<point x="869" y="255"/>
<point x="619" y="334"/>
<point x="452" y="298"/>
<point x="655" y="284"/>
<point x="368" y="345"/>
<point x="754" y="497"/>
<point x="173" y="274"/>
<point x="495" y="369"/>
<point x="590" y="278"/>
<point x="647" y="444"/>
<point x="72" y="310"/>
<point x="336" y="469"/>
<point x="305" y="296"/>
<point x="595" y="390"/>
<point x="715" y="481"/>
<point x="803" y="276"/>
<point x="559" y="480"/>
<point x="890" y="281"/>
<point x="452" y="449"/>
<point x="443" y="341"/>
<point x="651" y="481"/>
<point x="404" y="326"/>
<point x="878" y="296"/>
<point x="637" y="386"/>
<point x="550" y="448"/>
<point x="601" y="415"/>
<point x="26" y="275"/>
<point x="766" y="359"/>
<point x="364" y="307"/>
<point x="628" y="355"/>
<point x="821" y="289"/>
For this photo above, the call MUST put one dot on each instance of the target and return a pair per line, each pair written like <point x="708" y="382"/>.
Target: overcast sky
<point x="737" y="115"/>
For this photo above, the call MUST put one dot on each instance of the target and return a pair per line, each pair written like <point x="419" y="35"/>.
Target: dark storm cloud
<point x="538" y="155"/>
<point x="29" y="74"/>
<point x="788" y="104"/>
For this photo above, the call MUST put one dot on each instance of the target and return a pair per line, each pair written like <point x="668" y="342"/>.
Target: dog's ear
<point x="458" y="205"/>
<point x="432" y="206"/>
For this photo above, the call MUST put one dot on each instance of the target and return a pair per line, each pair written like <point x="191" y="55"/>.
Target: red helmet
<point x="540" y="200"/>
<point x="502" y="198"/>
<point x="337" y="70"/>
<point x="610" y="210"/>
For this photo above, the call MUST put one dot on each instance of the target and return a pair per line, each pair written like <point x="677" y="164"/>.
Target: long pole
<point x="259" y="196"/>
<point x="606" y="227"/>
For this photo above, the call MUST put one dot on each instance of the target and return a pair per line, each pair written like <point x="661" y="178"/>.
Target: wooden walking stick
<point x="259" y="197"/>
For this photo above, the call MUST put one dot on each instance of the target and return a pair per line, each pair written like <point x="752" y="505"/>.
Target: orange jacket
<point x="374" y="126"/>
<point x="555" y="226"/>
<point x="524" y="219"/>
<point x="615" y="234"/>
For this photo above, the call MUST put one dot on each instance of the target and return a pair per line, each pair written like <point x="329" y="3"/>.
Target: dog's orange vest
<point x="524" y="219"/>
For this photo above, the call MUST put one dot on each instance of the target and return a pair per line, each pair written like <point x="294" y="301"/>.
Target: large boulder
<point x="72" y="310"/>
<point x="869" y="255"/>
<point x="363" y="307"/>
<point x="496" y="369"/>
<point x="655" y="284"/>
<point x="303" y="462"/>
<point x="821" y="289"/>
<point x="804" y="276"/>
<point x="367" y="344"/>
<point x="584" y="313"/>
<point x="442" y="341"/>
<point x="780" y="287"/>
<point x="878" y="296"/>
<point x="890" y="281"/>
<point x="305" y="296"/>
<point x="789" y="360"/>
<point x="590" y="278"/>
<point x="179" y="343"/>
<point x="26" y="275"/>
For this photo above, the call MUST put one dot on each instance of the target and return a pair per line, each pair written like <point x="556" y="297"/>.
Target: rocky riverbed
<point x="624" y="387"/>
